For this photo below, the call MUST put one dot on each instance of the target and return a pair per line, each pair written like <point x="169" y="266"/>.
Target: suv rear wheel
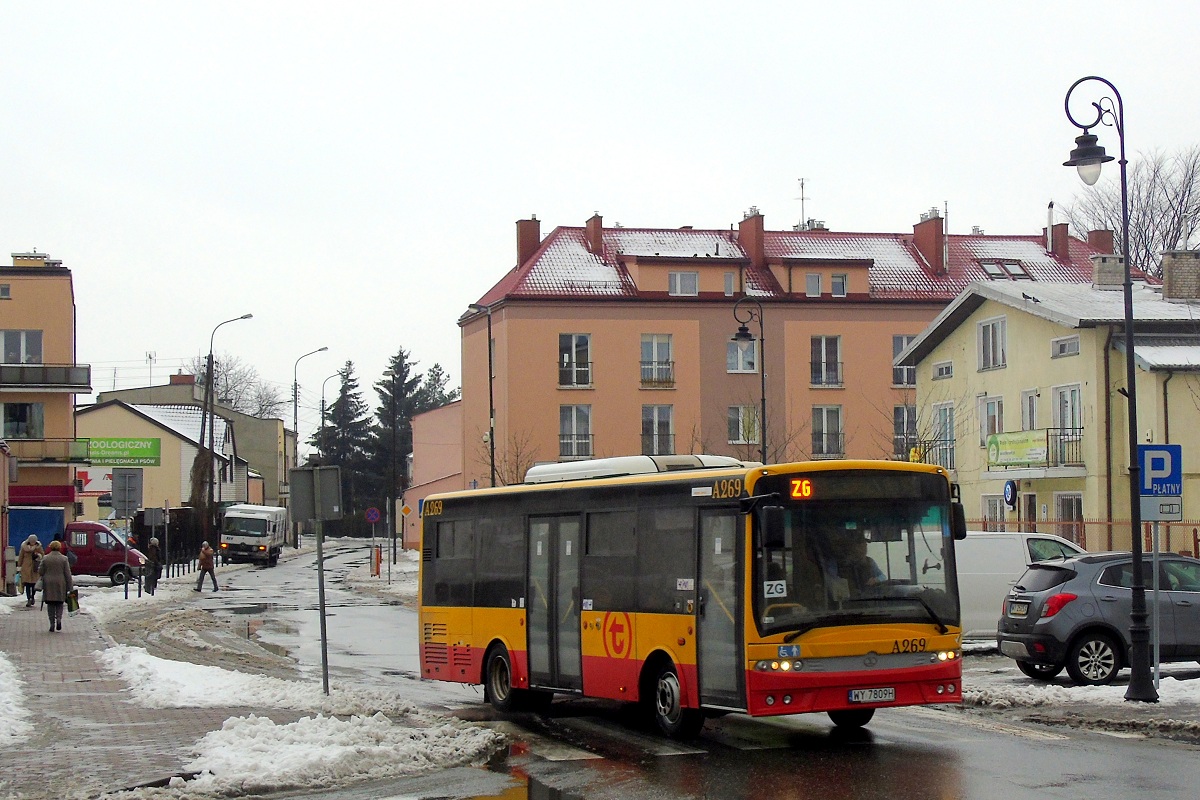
<point x="1093" y="660"/>
<point x="1039" y="672"/>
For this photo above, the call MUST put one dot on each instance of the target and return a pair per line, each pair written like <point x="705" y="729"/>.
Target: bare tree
<point x="514" y="457"/>
<point x="1164" y="207"/>
<point x="239" y="386"/>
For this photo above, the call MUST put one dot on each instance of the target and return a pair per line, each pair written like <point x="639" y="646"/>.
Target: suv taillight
<point x="1055" y="603"/>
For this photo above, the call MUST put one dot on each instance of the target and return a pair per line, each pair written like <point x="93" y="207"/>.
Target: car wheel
<point x="119" y="575"/>
<point x="852" y="717"/>
<point x="1093" y="660"/>
<point x="1039" y="672"/>
<point x="670" y="716"/>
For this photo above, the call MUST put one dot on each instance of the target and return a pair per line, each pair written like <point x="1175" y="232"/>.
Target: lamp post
<point x="491" y="395"/>
<point x="392" y="493"/>
<point x="296" y="429"/>
<point x="745" y="340"/>
<point x="1087" y="157"/>
<point x="323" y="444"/>
<point x="209" y="419"/>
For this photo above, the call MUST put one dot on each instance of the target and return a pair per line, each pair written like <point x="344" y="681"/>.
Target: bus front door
<point x="721" y="663"/>
<point x="552" y="611"/>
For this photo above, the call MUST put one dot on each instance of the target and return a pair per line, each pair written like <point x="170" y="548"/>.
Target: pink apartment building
<point x="617" y="341"/>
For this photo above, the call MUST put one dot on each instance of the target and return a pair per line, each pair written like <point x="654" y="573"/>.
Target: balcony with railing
<point x="1047" y="448"/>
<point x="658" y="374"/>
<point x="47" y="377"/>
<point x="933" y="451"/>
<point x="575" y="445"/>
<point x="50" y="452"/>
<point x="658" y="444"/>
<point x="826" y="373"/>
<point x="828" y="445"/>
<point x="575" y="375"/>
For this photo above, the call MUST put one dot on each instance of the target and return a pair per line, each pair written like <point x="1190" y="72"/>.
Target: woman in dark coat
<point x="56" y="583"/>
<point x="153" y="565"/>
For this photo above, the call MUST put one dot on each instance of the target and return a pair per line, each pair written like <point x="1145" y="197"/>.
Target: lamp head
<point x="744" y="338"/>
<point x="246" y="316"/>
<point x="1087" y="157"/>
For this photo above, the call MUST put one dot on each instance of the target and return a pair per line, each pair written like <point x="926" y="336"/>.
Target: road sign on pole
<point x="1162" y="482"/>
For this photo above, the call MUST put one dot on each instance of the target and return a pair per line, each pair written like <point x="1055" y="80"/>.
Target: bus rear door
<point x="721" y="663"/>
<point x="552" y="612"/>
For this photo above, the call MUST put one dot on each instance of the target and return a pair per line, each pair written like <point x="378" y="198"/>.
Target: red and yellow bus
<point x="699" y="585"/>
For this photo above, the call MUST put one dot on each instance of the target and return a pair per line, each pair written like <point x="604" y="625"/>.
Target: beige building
<point x="39" y="380"/>
<point x="616" y="341"/>
<point x="265" y="443"/>
<point x="1022" y="382"/>
<point x="173" y="432"/>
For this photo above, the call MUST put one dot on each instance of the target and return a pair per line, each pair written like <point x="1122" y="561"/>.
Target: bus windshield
<point x="853" y="561"/>
<point x="240" y="526"/>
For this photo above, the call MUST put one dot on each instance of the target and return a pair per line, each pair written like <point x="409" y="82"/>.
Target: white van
<point x="253" y="533"/>
<point x="989" y="563"/>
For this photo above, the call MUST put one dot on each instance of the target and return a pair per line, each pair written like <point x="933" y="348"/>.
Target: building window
<point x="943" y="370"/>
<point x="992" y="344"/>
<point x="5" y="291"/>
<point x="991" y="418"/>
<point x="827" y="432"/>
<point x="729" y="284"/>
<point x="993" y="512"/>
<point x="1005" y="270"/>
<point x="1068" y="346"/>
<point x="22" y="347"/>
<point x="904" y="431"/>
<point x="902" y="376"/>
<point x="743" y="425"/>
<point x="826" y="361"/>
<point x="24" y="420"/>
<point x="940" y="449"/>
<point x="658" y="370"/>
<point x="574" y="359"/>
<point x="738" y="359"/>
<point x="575" y="431"/>
<point x="838" y="288"/>
<point x="812" y="284"/>
<point x="658" y="437"/>
<point x="683" y="284"/>
<point x="1029" y="409"/>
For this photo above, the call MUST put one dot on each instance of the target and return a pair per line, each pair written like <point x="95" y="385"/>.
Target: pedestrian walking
<point x="55" y="570"/>
<point x="153" y="565"/>
<point x="27" y="561"/>
<point x="206" y="567"/>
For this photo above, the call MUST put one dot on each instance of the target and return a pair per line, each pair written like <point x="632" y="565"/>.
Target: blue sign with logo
<point x="1162" y="470"/>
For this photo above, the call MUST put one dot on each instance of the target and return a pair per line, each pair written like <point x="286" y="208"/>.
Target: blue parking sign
<point x="1162" y="470"/>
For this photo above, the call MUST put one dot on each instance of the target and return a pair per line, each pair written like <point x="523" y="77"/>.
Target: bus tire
<point x="852" y="717"/>
<point x="497" y="680"/>
<point x="666" y="702"/>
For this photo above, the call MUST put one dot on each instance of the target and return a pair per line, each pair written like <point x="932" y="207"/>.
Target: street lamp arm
<point x="1107" y="113"/>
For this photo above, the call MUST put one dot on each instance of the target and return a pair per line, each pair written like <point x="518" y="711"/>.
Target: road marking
<point x="539" y="745"/>
<point x="985" y="725"/>
<point x="650" y="744"/>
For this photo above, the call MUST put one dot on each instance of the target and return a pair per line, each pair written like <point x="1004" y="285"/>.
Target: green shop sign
<point x="1017" y="449"/>
<point x="125" y="452"/>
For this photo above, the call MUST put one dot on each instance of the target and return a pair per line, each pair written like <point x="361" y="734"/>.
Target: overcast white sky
<point x="351" y="173"/>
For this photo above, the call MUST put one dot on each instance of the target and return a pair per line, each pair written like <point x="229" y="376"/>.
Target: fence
<point x="1099" y="535"/>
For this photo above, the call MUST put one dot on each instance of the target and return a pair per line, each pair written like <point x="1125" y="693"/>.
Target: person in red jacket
<point x="206" y="567"/>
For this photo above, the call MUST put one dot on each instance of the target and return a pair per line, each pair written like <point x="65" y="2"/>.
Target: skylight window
<point x="1005" y="270"/>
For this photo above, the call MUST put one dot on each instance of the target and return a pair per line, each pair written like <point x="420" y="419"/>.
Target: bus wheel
<point x="852" y="717"/>
<point x="671" y="717"/>
<point x="498" y="687"/>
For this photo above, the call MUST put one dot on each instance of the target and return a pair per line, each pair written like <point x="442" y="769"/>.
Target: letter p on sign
<point x="1162" y="469"/>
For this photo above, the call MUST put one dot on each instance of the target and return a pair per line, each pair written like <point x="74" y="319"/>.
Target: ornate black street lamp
<point x="1088" y="157"/>
<point x="745" y="340"/>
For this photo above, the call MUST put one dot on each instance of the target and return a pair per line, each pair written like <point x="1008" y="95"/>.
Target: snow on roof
<point x="185" y="420"/>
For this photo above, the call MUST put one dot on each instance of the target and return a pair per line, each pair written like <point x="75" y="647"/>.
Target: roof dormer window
<point x="1005" y="270"/>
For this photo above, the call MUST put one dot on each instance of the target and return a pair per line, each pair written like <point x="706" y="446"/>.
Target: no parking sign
<point x="372" y="515"/>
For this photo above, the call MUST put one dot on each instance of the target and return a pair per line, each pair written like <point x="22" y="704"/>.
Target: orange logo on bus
<point x="617" y="635"/>
<point x="802" y="489"/>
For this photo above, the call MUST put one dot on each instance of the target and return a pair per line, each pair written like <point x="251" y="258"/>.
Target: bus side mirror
<point x="770" y="520"/>
<point x="958" y="521"/>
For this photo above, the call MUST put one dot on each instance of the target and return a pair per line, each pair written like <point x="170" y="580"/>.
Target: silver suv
<point x="1074" y="613"/>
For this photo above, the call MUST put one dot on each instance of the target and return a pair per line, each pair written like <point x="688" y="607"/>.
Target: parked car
<point x="1074" y="613"/>
<point x="989" y="563"/>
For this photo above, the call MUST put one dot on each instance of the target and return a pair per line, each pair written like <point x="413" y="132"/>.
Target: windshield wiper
<point x="913" y="599"/>
<point x="796" y="634"/>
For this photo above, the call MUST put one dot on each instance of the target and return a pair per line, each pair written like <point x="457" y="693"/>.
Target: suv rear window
<point x="1038" y="578"/>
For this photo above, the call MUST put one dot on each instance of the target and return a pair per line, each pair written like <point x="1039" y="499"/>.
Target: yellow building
<point x="1022" y="382"/>
<point x="39" y="380"/>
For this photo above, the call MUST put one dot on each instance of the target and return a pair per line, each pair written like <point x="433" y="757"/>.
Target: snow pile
<point x="1030" y="694"/>
<point x="14" y="716"/>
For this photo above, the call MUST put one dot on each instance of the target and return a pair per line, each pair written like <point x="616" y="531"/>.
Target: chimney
<point x="1181" y="275"/>
<point x="750" y="236"/>
<point x="183" y="379"/>
<point x="594" y="234"/>
<point x="1101" y="241"/>
<point x="529" y="236"/>
<point x="1108" y="272"/>
<point x="929" y="237"/>
<point x="1060" y="241"/>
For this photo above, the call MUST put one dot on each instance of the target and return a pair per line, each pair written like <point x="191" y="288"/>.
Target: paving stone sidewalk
<point x="88" y="737"/>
